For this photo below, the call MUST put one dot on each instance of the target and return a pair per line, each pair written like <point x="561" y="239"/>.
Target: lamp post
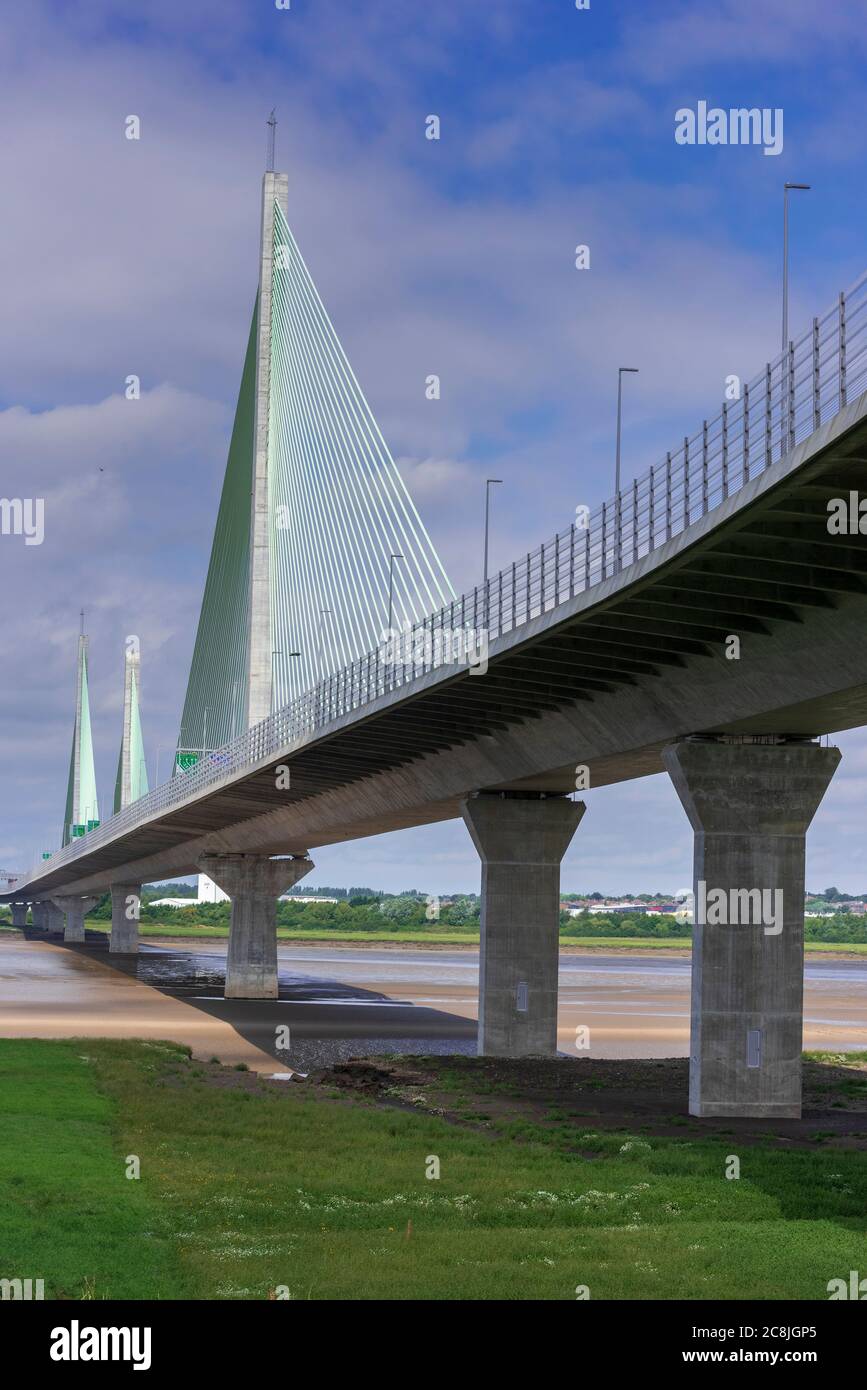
<point x="391" y="560"/>
<point x="802" y="187"/>
<point x="323" y="613"/>
<point x="620" y="371"/>
<point x="274" y="652"/>
<point x="488" y="483"/>
<point x="279" y="653"/>
<point x="785" y="422"/>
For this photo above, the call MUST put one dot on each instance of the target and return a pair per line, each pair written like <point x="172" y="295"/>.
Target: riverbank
<point x="161" y="934"/>
<point x="164" y="934"/>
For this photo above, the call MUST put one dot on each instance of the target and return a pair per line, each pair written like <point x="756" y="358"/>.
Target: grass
<point x="216" y="933"/>
<point x="70" y="1214"/>
<point x="446" y="938"/>
<point x="858" y="948"/>
<point x="325" y="936"/>
<point x="247" y="1186"/>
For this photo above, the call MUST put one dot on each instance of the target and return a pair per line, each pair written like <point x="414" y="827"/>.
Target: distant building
<point x="298" y="898"/>
<point x="209" y="892"/>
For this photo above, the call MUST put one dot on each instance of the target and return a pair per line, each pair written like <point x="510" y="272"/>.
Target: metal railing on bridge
<point x="801" y="390"/>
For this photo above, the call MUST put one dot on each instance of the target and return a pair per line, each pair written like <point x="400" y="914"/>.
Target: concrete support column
<point x="75" y="911"/>
<point x="254" y="883"/>
<point x="750" y="805"/>
<point x="125" y="911"/>
<point x="521" y="841"/>
<point x="53" y="918"/>
<point x="19" y="914"/>
<point x="38" y="915"/>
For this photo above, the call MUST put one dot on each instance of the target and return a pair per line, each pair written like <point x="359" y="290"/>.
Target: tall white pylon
<point x="82" y="809"/>
<point x="132" y="777"/>
<point x="317" y="538"/>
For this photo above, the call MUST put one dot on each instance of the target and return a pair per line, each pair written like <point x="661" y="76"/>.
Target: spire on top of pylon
<point x="82" y="809"/>
<point x="272" y="140"/>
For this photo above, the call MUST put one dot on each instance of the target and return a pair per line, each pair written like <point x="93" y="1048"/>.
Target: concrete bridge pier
<point x="749" y="802"/>
<point x="125" y="912"/>
<point x="52" y="917"/>
<point x="254" y="883"/>
<point x="75" y="910"/>
<point x="38" y="915"/>
<point x="19" y="914"/>
<point x="521" y="839"/>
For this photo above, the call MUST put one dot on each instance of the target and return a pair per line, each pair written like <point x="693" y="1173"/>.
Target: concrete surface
<point x="74" y="910"/>
<point x="124" y="917"/>
<point x="521" y="842"/>
<point x="253" y="883"/>
<point x="749" y="806"/>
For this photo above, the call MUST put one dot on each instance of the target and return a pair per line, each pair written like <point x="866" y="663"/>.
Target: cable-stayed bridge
<point x="709" y="620"/>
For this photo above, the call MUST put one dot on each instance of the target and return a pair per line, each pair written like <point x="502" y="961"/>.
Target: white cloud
<point x="740" y="34"/>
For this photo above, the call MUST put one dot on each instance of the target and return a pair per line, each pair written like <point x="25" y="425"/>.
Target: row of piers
<point x="749" y="800"/>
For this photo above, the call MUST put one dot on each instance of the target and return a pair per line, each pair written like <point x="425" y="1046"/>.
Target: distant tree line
<point x="363" y="911"/>
<point x="657" y="924"/>
<point x="414" y="911"/>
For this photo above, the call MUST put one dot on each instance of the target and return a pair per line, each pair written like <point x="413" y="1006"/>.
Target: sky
<point x="453" y="256"/>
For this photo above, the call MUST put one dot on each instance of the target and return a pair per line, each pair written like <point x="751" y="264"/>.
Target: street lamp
<point x="160" y="747"/>
<point x="391" y="560"/>
<point x="317" y="694"/>
<point x="803" y="187"/>
<point x="620" y="371"/>
<point x="785" y="422"/>
<point x="275" y="651"/>
<point x="323" y="612"/>
<point x="488" y="482"/>
<point x="280" y="653"/>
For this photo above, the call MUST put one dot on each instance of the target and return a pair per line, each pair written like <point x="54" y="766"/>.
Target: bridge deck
<point x="603" y="677"/>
